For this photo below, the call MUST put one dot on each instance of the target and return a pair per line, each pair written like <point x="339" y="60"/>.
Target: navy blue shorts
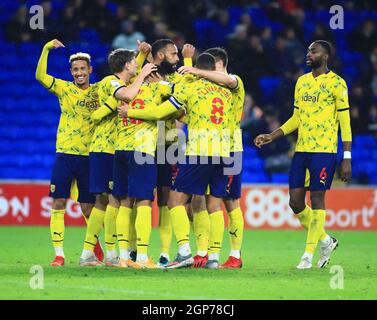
<point x="195" y="178"/>
<point x="101" y="166"/>
<point x="66" y="168"/>
<point x="164" y="175"/>
<point x="166" y="171"/>
<point x="234" y="186"/>
<point x="132" y="179"/>
<point x="321" y="167"/>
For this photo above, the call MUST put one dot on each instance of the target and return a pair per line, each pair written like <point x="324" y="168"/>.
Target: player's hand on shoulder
<point x="154" y="77"/>
<point x="188" y="51"/>
<point x="148" y="69"/>
<point x="346" y="170"/>
<point x="188" y="69"/>
<point x="262" y="139"/>
<point x="144" y="47"/>
<point x="123" y="109"/>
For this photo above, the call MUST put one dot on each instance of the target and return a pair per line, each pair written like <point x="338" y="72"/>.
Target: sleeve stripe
<point x="175" y="103"/>
<point x="53" y="81"/>
<point x="109" y="107"/>
<point x="340" y="110"/>
<point x="118" y="89"/>
<point x="296" y="107"/>
<point x="234" y="77"/>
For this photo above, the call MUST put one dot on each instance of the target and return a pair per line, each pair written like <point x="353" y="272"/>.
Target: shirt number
<point x="136" y="104"/>
<point x="217" y="111"/>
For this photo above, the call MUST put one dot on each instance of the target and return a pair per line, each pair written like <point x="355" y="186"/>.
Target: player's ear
<point x="161" y="55"/>
<point x="90" y="69"/>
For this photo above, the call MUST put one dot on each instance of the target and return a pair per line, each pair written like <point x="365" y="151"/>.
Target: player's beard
<point x="167" y="68"/>
<point x="315" y="64"/>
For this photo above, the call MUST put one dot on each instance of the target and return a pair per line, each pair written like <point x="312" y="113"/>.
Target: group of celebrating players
<point x="118" y="142"/>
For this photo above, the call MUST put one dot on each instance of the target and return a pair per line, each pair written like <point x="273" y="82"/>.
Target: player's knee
<point x="198" y="204"/>
<point x="318" y="200"/>
<point x="296" y="205"/>
<point x="231" y="205"/>
<point x="102" y="201"/>
<point x="59" y="204"/>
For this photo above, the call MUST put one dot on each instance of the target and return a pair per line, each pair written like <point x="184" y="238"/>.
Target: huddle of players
<point x="107" y="141"/>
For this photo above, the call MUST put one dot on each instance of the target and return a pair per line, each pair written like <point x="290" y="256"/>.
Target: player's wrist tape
<point x="347" y="155"/>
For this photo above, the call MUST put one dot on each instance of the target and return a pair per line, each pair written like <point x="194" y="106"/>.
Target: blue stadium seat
<point x="279" y="178"/>
<point x="248" y="177"/>
<point x="89" y="35"/>
<point x="269" y="85"/>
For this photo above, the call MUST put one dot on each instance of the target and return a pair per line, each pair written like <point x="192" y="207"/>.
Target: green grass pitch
<point x="269" y="272"/>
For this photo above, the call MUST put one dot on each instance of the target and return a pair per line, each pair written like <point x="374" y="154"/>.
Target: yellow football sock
<point x="110" y="227"/>
<point x="143" y="225"/>
<point x="305" y="217"/>
<point x="201" y="229"/>
<point x="315" y="230"/>
<point x="236" y="224"/>
<point x="122" y="227"/>
<point x="95" y="225"/>
<point x="323" y="235"/>
<point x="216" y="231"/>
<point x="166" y="231"/>
<point x="132" y="229"/>
<point x="181" y="224"/>
<point x="57" y="227"/>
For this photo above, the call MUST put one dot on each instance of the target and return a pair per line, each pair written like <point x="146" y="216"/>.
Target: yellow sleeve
<point x="187" y="62"/>
<point x="292" y="123"/>
<point x="107" y="108"/>
<point x="341" y="96"/>
<point x="345" y="125"/>
<point x="343" y="110"/>
<point x="154" y="112"/>
<point x="296" y="102"/>
<point x="41" y="72"/>
<point x="140" y="58"/>
<point x="165" y="88"/>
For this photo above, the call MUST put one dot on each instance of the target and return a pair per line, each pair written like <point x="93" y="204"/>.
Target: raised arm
<point x="188" y="52"/>
<point x="144" y="49"/>
<point x="129" y="93"/>
<point x="41" y="72"/>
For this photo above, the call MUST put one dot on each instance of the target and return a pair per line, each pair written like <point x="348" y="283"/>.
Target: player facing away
<point x="320" y="107"/>
<point x="165" y="56"/>
<point x="78" y="99"/>
<point x="111" y="89"/>
<point x="135" y="172"/>
<point x="207" y="110"/>
<point x="210" y="233"/>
